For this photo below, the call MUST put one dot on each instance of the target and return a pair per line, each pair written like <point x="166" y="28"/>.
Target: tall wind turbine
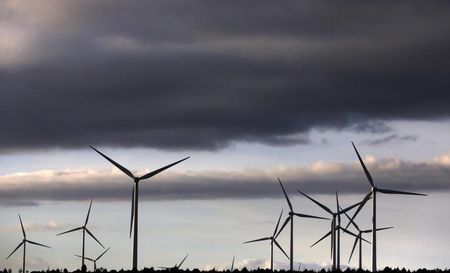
<point x="373" y="192"/>
<point x="84" y="229"/>
<point x="135" y="198"/>
<point x="95" y="260"/>
<point x="359" y="239"/>
<point x="24" y="243"/>
<point x="291" y="219"/>
<point x="335" y="227"/>
<point x="273" y="240"/>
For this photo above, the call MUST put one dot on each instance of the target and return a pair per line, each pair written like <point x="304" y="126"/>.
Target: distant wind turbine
<point x="135" y="198"/>
<point x="291" y="219"/>
<point x="373" y="192"/>
<point x="175" y="267"/>
<point x="359" y="239"/>
<point x="95" y="260"/>
<point x="273" y="240"/>
<point x="84" y="229"/>
<point x="24" y="243"/>
<point x="335" y="228"/>
<point x="232" y="264"/>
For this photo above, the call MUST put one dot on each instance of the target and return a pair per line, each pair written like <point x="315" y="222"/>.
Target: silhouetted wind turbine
<point x="273" y="240"/>
<point x="135" y="198"/>
<point x="175" y="267"/>
<point x="291" y="219"/>
<point x="232" y="264"/>
<point x="373" y="193"/>
<point x="335" y="226"/>
<point x="24" y="243"/>
<point x="95" y="260"/>
<point x="359" y="239"/>
<point x="84" y="229"/>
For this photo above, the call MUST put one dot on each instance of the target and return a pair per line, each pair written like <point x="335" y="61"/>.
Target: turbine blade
<point x="378" y="229"/>
<point x="310" y="216"/>
<point x="278" y="223"/>
<point x="387" y="191"/>
<point x="353" y="249"/>
<point x="350" y="207"/>
<point x="72" y="230"/>
<point x="89" y="259"/>
<point x="369" y="177"/>
<point x="21" y="225"/>
<point x="317" y="203"/>
<point x="183" y="261"/>
<point x="385" y="228"/>
<point x="279" y="247"/>
<point x="337" y="209"/>
<point x="38" y="244"/>
<point x="89" y="212"/>
<point x="102" y="254"/>
<point x="325" y="236"/>
<point x="92" y="235"/>
<point x="120" y="167"/>
<point x="15" y="250"/>
<point x="132" y="209"/>
<point x="155" y="172"/>
<point x="232" y="264"/>
<point x="349" y="232"/>
<point x="351" y="221"/>
<point x="283" y="225"/>
<point x="258" y="240"/>
<point x="285" y="195"/>
<point x="364" y="201"/>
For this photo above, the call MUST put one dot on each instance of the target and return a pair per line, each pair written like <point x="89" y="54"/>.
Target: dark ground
<point x="147" y="270"/>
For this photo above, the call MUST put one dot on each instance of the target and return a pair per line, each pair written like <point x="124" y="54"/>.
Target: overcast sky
<point x="252" y="91"/>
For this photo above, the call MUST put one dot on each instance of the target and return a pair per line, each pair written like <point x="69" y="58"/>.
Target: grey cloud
<point x="204" y="74"/>
<point x="390" y="138"/>
<point x="319" y="178"/>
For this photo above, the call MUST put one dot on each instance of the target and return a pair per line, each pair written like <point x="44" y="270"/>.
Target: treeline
<point x="244" y="270"/>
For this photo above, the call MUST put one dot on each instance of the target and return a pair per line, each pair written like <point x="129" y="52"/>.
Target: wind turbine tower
<point x="24" y="243"/>
<point x="85" y="230"/>
<point x="373" y="192"/>
<point x="135" y="198"/>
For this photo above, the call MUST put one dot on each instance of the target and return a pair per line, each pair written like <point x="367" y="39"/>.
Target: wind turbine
<point x="359" y="239"/>
<point x="273" y="240"/>
<point x="84" y="229"/>
<point x="373" y="192"/>
<point x="291" y="219"/>
<point x="175" y="267"/>
<point x="135" y="198"/>
<point x="335" y="228"/>
<point x="24" y="243"/>
<point x="232" y="264"/>
<point x="95" y="260"/>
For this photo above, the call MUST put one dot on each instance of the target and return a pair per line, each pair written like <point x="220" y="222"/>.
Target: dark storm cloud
<point x="390" y="138"/>
<point x="319" y="178"/>
<point x="202" y="74"/>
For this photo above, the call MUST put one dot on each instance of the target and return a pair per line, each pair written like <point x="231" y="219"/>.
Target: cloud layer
<point x="203" y="74"/>
<point x="318" y="178"/>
